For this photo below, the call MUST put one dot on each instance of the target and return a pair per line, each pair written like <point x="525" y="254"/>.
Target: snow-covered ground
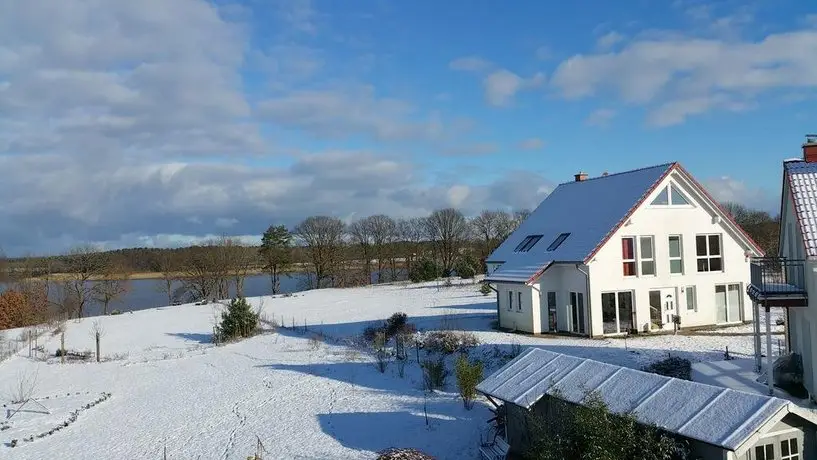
<point x="303" y="394"/>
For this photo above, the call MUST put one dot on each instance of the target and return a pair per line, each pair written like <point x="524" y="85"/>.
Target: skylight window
<point x="558" y="241"/>
<point x="671" y="196"/>
<point x="528" y="243"/>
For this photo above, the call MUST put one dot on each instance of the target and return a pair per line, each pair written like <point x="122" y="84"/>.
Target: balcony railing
<point x="778" y="276"/>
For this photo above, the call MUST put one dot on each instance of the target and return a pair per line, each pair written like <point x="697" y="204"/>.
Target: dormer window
<point x="558" y="241"/>
<point x="528" y="243"/>
<point x="671" y="196"/>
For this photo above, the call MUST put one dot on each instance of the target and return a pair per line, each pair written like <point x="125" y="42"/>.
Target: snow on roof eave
<point x="746" y="444"/>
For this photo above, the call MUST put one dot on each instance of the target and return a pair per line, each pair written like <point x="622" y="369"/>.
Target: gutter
<point x="587" y="300"/>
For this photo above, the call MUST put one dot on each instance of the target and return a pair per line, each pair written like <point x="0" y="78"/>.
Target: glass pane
<point x="678" y="198"/>
<point x="663" y="198"/>
<point x="608" y="312"/>
<point x="690" y="292"/>
<point x="552" y="299"/>
<point x="655" y="307"/>
<point x="700" y="245"/>
<point x="714" y="245"/>
<point x="715" y="264"/>
<point x="784" y="448"/>
<point x="794" y="446"/>
<point x="720" y="304"/>
<point x="675" y="246"/>
<point x="676" y="266"/>
<point x="769" y="451"/>
<point x="519" y="300"/>
<point x="646" y="247"/>
<point x="648" y="267"/>
<point x="629" y="268"/>
<point x="703" y="265"/>
<point x="581" y="312"/>
<point x="625" y="311"/>
<point x="733" y="297"/>
<point x="522" y="244"/>
<point x="574" y="312"/>
<point x="760" y="453"/>
<point x="627" y="249"/>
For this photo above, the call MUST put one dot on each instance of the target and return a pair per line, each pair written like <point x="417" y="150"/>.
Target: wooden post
<point x="29" y="343"/>
<point x="97" y="346"/>
<point x="62" y="347"/>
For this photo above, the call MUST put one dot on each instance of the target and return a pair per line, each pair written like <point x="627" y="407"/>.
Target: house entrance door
<point x="662" y="308"/>
<point x="668" y="300"/>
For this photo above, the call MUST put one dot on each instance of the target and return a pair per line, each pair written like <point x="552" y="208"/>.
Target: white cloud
<point x="600" y="117"/>
<point x="728" y="189"/>
<point x="685" y="76"/>
<point x="609" y="40"/>
<point x="470" y="64"/>
<point x="502" y="85"/>
<point x="533" y="143"/>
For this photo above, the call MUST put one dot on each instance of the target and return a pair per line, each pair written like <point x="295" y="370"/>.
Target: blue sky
<point x="158" y="123"/>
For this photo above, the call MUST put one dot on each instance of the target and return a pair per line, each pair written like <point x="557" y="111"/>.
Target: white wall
<point x="525" y="319"/>
<point x="661" y="222"/>
<point x="563" y="279"/>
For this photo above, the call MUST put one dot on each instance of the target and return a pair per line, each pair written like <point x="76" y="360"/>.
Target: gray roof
<point x="802" y="179"/>
<point x="718" y="416"/>
<point x="589" y="210"/>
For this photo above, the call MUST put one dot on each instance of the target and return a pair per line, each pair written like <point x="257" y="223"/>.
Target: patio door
<point x="728" y="303"/>
<point x="577" y="312"/>
<point x="548" y="311"/>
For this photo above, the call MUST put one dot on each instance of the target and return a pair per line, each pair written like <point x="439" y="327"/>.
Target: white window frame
<point x="694" y="296"/>
<point x="680" y="256"/>
<point x="641" y="259"/>
<point x="618" y="319"/>
<point x="669" y="188"/>
<point x="740" y="301"/>
<point x="709" y="255"/>
<point x="634" y="260"/>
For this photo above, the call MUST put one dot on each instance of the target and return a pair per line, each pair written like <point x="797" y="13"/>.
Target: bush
<point x="485" y="289"/>
<point x="448" y="342"/>
<point x="424" y="269"/>
<point x="673" y="366"/>
<point x="381" y="354"/>
<point x="402" y="454"/>
<point x="591" y="431"/>
<point x="468" y="377"/>
<point x="395" y="324"/>
<point x="466" y="267"/>
<point x="434" y="373"/>
<point x="238" y="321"/>
<point x="116" y="312"/>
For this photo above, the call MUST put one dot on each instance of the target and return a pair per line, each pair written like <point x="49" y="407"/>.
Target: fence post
<point x="62" y="346"/>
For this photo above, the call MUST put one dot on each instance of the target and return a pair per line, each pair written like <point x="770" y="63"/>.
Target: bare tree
<point x="361" y="233"/>
<point x="199" y="279"/>
<point x="323" y="238"/>
<point x="244" y="259"/>
<point x="166" y="264"/>
<point x="83" y="263"/>
<point x="518" y="217"/>
<point x="411" y="233"/>
<point x="448" y="230"/>
<point x="5" y="268"/>
<point x="491" y="227"/>
<point x="113" y="283"/>
<point x="383" y="230"/>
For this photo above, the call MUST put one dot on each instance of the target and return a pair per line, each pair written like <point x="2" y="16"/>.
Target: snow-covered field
<point x="303" y="394"/>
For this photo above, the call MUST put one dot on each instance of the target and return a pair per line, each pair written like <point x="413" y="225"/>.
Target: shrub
<point x="424" y="269"/>
<point x="485" y="289"/>
<point x="116" y="312"/>
<point x="466" y="267"/>
<point x="591" y="431"/>
<point x="468" y="377"/>
<point x="448" y="342"/>
<point x="381" y="354"/>
<point x="395" y="324"/>
<point x="673" y="366"/>
<point x="238" y="321"/>
<point x="402" y="454"/>
<point x="434" y="373"/>
<point x="370" y="333"/>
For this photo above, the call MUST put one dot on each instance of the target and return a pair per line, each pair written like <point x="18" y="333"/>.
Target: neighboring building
<point x="718" y="423"/>
<point x="624" y="253"/>
<point x="787" y="280"/>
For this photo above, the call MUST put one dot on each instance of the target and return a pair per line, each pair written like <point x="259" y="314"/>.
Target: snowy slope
<point x="300" y="395"/>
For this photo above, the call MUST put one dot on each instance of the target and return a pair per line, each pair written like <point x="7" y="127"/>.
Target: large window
<point x="692" y="298"/>
<point x="628" y="256"/>
<point x="728" y="303"/>
<point x="647" y="255"/>
<point x="764" y="452"/>
<point x="617" y="312"/>
<point x="790" y="449"/>
<point x="676" y="255"/>
<point x="709" y="253"/>
<point x="671" y="196"/>
<point x="528" y="243"/>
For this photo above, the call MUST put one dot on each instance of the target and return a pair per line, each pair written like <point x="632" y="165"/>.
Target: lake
<point x="145" y="293"/>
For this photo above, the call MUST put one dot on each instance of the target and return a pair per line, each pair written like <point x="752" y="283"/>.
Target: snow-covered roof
<point x="589" y="210"/>
<point x="802" y="177"/>
<point x="718" y="416"/>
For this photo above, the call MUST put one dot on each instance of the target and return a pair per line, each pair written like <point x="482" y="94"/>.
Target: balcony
<point x="778" y="282"/>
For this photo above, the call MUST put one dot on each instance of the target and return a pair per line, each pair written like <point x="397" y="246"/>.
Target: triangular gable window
<point x="678" y="198"/>
<point x="663" y="198"/>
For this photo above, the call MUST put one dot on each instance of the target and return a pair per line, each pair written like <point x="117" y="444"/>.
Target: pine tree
<point x="275" y="249"/>
<point x="238" y="321"/>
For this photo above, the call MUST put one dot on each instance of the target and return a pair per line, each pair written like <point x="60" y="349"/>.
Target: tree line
<point x="325" y="249"/>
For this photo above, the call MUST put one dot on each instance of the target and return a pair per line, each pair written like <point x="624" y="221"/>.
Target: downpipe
<point x="588" y="310"/>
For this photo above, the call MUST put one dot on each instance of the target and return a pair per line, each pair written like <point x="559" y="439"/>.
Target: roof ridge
<point x="619" y="173"/>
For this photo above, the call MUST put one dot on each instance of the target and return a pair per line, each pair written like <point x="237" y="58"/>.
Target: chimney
<point x="810" y="148"/>
<point x="604" y="174"/>
<point x="582" y="176"/>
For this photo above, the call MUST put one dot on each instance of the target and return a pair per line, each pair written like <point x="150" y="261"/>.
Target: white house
<point x="791" y="279"/>
<point x="623" y="253"/>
